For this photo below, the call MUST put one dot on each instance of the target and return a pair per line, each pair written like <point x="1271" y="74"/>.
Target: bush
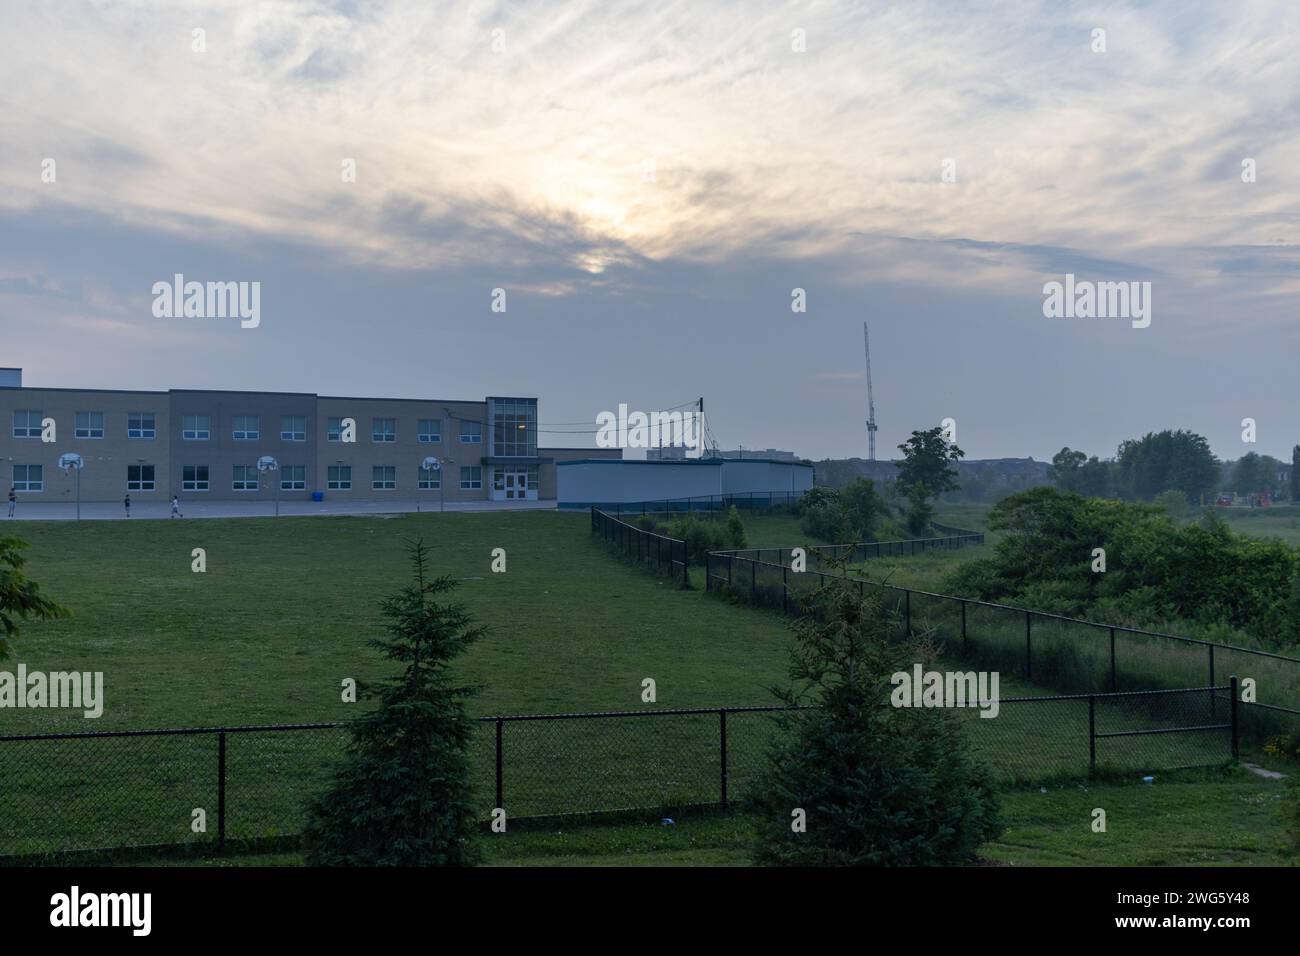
<point x="820" y="515"/>
<point x="735" y="528"/>
<point x="843" y="517"/>
<point x="1156" y="569"/>
<point x="701" y="536"/>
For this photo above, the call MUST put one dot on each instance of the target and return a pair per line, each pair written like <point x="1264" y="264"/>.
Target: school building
<point x="206" y="445"/>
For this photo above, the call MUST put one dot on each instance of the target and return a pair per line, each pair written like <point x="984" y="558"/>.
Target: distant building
<point x="206" y="445"/>
<point x="581" y="483"/>
<point x="774" y="454"/>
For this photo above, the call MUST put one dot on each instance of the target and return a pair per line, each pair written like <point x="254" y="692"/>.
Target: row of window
<point x="246" y="478"/>
<point x="27" y="424"/>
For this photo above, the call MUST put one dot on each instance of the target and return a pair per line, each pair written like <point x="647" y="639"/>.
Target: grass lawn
<point x="1192" y="818"/>
<point x="1280" y="521"/>
<point x="282" y="615"/>
<point x="284" y="610"/>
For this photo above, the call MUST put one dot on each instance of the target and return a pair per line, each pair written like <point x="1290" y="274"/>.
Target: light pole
<point x="71" y="461"/>
<point x="428" y="466"/>
<point x="435" y="464"/>
<point x="266" y="465"/>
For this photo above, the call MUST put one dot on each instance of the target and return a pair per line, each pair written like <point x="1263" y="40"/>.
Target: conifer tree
<point x="402" y="794"/>
<point x="877" y="785"/>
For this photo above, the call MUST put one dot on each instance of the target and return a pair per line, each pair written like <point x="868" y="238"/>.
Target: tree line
<point x="1181" y="462"/>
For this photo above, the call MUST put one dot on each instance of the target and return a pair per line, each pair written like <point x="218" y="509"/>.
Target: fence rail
<point x="822" y="555"/>
<point x="131" y="789"/>
<point x="657" y="552"/>
<point x="1061" y="651"/>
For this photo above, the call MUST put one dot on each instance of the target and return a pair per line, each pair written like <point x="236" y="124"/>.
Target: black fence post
<point x="722" y="740"/>
<point x="1092" y="735"/>
<point x="1232" y="689"/>
<point x="907" y="614"/>
<point x="1114" y="684"/>
<point x="1214" y="704"/>
<point x="221" y="792"/>
<point x="783" y="590"/>
<point x="1029" y="657"/>
<point x="753" y="582"/>
<point x="963" y="623"/>
<point x="500" y="793"/>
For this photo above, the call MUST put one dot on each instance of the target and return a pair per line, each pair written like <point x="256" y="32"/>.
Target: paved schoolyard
<point x="110" y="511"/>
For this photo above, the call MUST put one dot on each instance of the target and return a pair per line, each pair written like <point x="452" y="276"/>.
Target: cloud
<point x="615" y="131"/>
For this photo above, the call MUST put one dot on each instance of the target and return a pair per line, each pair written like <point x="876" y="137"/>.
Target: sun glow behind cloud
<point x="677" y="129"/>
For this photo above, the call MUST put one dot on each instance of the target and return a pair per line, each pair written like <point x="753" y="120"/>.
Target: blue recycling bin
<point x="318" y="496"/>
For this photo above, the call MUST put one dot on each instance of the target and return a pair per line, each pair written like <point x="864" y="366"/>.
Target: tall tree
<point x="1248" y="474"/>
<point x="1064" y="472"/>
<point x="402" y="794"/>
<point x="1159" y="461"/>
<point x="925" y="473"/>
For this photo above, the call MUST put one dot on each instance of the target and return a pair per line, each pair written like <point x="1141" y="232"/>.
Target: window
<point x="140" y="425"/>
<point x="246" y="428"/>
<point x="340" y="478"/>
<point x="28" y="478"/>
<point x="194" y="477"/>
<point x="90" y="424"/>
<point x="245" y="478"/>
<point x="471" y="477"/>
<point x="383" y="478"/>
<point x="430" y="431"/>
<point x="334" y="429"/>
<point x="196" y="427"/>
<point x="384" y="429"/>
<point x="293" y="428"/>
<point x="293" y="478"/>
<point x="532" y="478"/>
<point x="514" y="427"/>
<point x="139" y="478"/>
<point x="27" y="424"/>
<point x="471" y="433"/>
<point x="430" y="480"/>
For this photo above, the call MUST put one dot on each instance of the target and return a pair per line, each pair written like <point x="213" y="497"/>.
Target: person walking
<point x="127" y="503"/>
<point x="13" y="500"/>
<point x="176" y="507"/>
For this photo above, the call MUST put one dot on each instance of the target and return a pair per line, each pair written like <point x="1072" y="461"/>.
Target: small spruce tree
<point x="880" y="786"/>
<point x="402" y="794"/>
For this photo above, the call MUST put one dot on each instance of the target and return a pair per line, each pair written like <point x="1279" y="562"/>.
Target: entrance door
<point x="512" y="486"/>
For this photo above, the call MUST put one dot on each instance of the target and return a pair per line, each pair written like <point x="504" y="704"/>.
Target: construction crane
<point x="871" y="404"/>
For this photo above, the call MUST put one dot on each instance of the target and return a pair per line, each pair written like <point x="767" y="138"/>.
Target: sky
<point x="649" y="183"/>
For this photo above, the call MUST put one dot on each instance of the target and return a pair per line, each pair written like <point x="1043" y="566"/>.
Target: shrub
<point x="735" y="528"/>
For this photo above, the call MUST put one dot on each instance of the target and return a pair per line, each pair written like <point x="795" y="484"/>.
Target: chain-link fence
<point x="654" y="552"/>
<point x="1050" y="649"/>
<point x="832" y="557"/>
<point x="133" y="789"/>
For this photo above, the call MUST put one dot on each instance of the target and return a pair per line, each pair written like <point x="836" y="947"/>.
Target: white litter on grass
<point x="1148" y="779"/>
